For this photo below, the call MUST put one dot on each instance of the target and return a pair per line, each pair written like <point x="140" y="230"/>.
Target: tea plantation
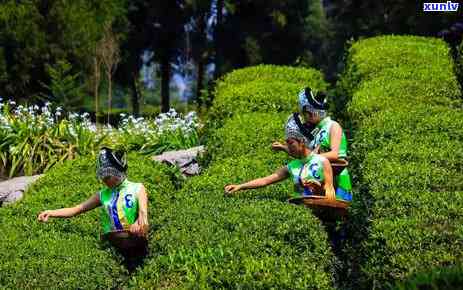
<point x="406" y="155"/>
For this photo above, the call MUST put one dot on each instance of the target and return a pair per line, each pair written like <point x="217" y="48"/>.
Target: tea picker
<point x="311" y="173"/>
<point x="124" y="207"/>
<point x="329" y="140"/>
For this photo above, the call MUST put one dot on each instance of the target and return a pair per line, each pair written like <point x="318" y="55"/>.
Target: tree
<point x="108" y="51"/>
<point x="35" y="34"/>
<point x="132" y="48"/>
<point x="166" y="20"/>
<point x="273" y="32"/>
<point x="200" y="13"/>
<point x="96" y="80"/>
<point x="218" y="37"/>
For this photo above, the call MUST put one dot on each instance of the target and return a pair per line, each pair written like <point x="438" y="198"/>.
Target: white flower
<point x="172" y="112"/>
<point x="92" y="127"/>
<point x="191" y="115"/>
<point x="12" y="102"/>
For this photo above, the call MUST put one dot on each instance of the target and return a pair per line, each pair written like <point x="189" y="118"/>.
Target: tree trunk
<point x="96" y="85"/>
<point x="165" y="81"/>
<point x="110" y="96"/>
<point x="200" y="60"/>
<point x="199" y="81"/>
<point x="135" y="96"/>
<point x="218" y="40"/>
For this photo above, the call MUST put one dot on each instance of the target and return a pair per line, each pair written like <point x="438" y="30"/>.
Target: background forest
<point x="142" y="57"/>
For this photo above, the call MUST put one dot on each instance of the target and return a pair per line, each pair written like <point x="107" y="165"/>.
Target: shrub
<point x="67" y="253"/>
<point x="264" y="88"/>
<point x="252" y="241"/>
<point x="406" y="145"/>
<point x="244" y="133"/>
<point x="214" y="241"/>
<point x="438" y="278"/>
<point x="273" y="73"/>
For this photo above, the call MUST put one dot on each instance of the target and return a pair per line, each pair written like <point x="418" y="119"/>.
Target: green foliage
<point x="32" y="143"/>
<point x="67" y="253"/>
<point x="272" y="73"/>
<point x="407" y="149"/>
<point x="438" y="279"/>
<point x="34" y="139"/>
<point x="277" y="33"/>
<point x="38" y="35"/>
<point x="253" y="240"/>
<point x="245" y="133"/>
<point x="199" y="238"/>
<point x="64" y="87"/>
<point x="263" y="88"/>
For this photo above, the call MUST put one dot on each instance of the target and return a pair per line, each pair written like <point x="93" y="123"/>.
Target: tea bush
<point x="264" y="88"/>
<point x="407" y="147"/>
<point x="438" y="278"/>
<point x="273" y="73"/>
<point x="67" y="253"/>
<point x="252" y="240"/>
<point x="244" y="133"/>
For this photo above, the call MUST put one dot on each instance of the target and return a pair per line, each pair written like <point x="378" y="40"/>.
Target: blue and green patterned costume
<point x="308" y="168"/>
<point x="119" y="206"/>
<point x="342" y="181"/>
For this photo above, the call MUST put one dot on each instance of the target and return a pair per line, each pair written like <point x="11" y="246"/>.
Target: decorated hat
<point x="111" y="163"/>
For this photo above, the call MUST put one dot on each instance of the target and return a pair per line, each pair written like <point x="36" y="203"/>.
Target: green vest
<point x="308" y="168"/>
<point x="119" y="206"/>
<point x="322" y="138"/>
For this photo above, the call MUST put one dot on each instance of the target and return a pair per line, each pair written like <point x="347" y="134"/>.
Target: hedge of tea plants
<point x="252" y="240"/>
<point x="263" y="88"/>
<point x="407" y="149"/>
<point x="67" y="253"/>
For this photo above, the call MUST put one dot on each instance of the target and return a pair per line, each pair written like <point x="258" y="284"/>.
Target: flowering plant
<point x="33" y="138"/>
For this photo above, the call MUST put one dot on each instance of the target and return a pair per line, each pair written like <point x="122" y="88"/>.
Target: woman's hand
<point x="44" y="215"/>
<point x="139" y="228"/>
<point x="277" y="146"/>
<point x="231" y="188"/>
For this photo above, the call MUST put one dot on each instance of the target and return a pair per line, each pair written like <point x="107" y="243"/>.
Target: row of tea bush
<point x="255" y="239"/>
<point x="407" y="114"/>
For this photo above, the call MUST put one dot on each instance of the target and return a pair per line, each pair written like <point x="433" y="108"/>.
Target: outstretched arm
<point x="277" y="176"/>
<point x="89" y="204"/>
